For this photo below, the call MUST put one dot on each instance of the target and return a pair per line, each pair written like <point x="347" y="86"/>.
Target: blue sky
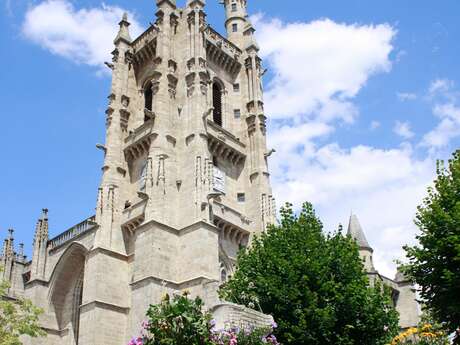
<point x="362" y="97"/>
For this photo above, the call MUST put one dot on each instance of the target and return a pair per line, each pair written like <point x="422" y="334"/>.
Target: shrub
<point x="425" y="334"/>
<point x="182" y="321"/>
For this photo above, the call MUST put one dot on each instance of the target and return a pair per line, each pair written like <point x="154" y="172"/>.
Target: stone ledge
<point x="104" y="305"/>
<point x="180" y="232"/>
<point x="173" y="284"/>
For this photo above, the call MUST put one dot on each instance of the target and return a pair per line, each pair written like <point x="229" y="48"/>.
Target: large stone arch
<point x="66" y="290"/>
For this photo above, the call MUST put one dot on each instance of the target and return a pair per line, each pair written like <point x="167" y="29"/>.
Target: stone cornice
<point x="109" y="252"/>
<point x="178" y="285"/>
<point x="34" y="282"/>
<point x="104" y="305"/>
<point x="179" y="232"/>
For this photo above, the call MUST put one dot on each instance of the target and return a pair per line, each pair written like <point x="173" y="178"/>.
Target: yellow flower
<point x="426" y="327"/>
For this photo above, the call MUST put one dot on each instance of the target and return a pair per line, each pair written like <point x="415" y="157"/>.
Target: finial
<point x="123" y="33"/>
<point x="44" y="213"/>
<point x="21" y="250"/>
<point x="11" y="231"/>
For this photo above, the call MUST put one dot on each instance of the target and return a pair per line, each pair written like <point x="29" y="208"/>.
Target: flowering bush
<point x="244" y="336"/>
<point x="181" y="321"/>
<point x="426" y="334"/>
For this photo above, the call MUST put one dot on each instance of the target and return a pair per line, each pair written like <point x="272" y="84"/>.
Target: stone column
<point x="263" y="203"/>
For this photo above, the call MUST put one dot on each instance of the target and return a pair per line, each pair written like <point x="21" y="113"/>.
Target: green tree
<point x="313" y="284"/>
<point x="18" y="317"/>
<point x="434" y="264"/>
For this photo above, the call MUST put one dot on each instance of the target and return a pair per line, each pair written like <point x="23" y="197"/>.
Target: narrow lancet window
<point x="148" y="99"/>
<point x="217" y="103"/>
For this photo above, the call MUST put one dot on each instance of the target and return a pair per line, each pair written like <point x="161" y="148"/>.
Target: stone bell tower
<point x="185" y="182"/>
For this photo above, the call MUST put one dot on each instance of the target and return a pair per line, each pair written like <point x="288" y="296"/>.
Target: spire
<point x="123" y="33"/>
<point x="44" y="224"/>
<point x="9" y="250"/>
<point x="356" y="232"/>
<point x="41" y="229"/>
<point x="40" y="246"/>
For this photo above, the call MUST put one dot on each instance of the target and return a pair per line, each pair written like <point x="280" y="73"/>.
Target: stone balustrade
<point x="72" y="233"/>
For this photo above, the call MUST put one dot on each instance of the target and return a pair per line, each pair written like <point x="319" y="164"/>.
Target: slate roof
<point x="356" y="231"/>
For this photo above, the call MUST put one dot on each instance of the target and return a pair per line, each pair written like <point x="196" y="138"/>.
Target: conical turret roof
<point x="356" y="231"/>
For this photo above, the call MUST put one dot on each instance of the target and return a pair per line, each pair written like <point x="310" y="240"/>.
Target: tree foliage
<point x="313" y="284"/>
<point x="434" y="264"/>
<point x="17" y="317"/>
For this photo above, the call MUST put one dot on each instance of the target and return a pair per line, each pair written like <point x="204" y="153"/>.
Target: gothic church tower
<point x="185" y="181"/>
<point x="184" y="186"/>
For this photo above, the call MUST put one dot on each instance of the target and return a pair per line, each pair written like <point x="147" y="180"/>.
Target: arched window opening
<point x="77" y="302"/>
<point x="67" y="285"/>
<point x="148" y="98"/>
<point x="143" y="177"/>
<point x="223" y="275"/>
<point x="217" y="103"/>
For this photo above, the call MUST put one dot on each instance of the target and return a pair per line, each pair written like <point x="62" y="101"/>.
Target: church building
<point x="185" y="184"/>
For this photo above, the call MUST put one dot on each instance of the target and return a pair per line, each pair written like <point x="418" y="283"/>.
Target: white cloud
<point x="406" y="96"/>
<point x="320" y="66"/>
<point x="440" y="86"/>
<point x="447" y="129"/>
<point x="318" y="69"/>
<point x="381" y="186"/>
<point x="403" y="129"/>
<point x="375" y="124"/>
<point x="446" y="108"/>
<point x="80" y="35"/>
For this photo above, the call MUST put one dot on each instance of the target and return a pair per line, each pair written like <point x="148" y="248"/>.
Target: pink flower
<point x="136" y="341"/>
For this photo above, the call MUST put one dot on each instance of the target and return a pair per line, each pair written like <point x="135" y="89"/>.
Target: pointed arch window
<point x="143" y="177"/>
<point x="148" y="98"/>
<point x="77" y="302"/>
<point x="217" y="103"/>
<point x="223" y="273"/>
